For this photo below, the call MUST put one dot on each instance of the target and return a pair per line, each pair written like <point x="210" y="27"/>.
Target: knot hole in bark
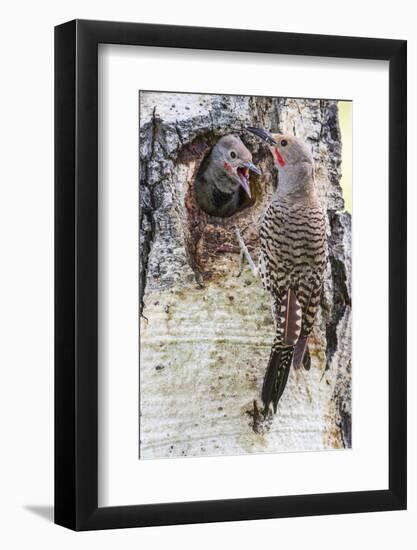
<point x="210" y="239"/>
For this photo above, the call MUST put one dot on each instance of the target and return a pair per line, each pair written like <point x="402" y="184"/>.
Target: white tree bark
<point x="205" y="334"/>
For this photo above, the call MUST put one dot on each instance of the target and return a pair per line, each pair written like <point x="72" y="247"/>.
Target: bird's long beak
<point x="267" y="136"/>
<point x="252" y="167"/>
<point x="243" y="174"/>
<point x="263" y="134"/>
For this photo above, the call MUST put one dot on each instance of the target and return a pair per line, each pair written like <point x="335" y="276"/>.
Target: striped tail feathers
<point x="276" y="376"/>
<point x="288" y="320"/>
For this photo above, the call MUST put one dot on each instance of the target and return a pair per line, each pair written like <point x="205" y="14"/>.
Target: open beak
<point x="252" y="167"/>
<point x="263" y="134"/>
<point x="243" y="173"/>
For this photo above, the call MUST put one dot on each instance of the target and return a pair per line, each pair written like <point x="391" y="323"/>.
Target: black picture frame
<point x="76" y="272"/>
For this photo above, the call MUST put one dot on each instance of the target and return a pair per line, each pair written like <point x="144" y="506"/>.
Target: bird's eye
<point x="233" y="155"/>
<point x="284" y="142"/>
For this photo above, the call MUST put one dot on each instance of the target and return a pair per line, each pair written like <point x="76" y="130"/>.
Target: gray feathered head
<point x="285" y="148"/>
<point x="231" y="156"/>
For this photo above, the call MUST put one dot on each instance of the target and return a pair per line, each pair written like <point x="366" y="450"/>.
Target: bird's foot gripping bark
<point x="245" y="255"/>
<point x="260" y="419"/>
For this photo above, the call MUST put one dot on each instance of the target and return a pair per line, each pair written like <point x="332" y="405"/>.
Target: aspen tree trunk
<point x="205" y="333"/>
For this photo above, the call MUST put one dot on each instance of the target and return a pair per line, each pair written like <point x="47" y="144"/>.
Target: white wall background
<point x="26" y="286"/>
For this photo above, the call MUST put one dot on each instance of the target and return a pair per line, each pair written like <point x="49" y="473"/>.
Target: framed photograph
<point x="230" y="248"/>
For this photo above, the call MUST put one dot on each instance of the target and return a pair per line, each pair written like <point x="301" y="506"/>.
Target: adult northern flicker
<point x="292" y="259"/>
<point x="222" y="183"/>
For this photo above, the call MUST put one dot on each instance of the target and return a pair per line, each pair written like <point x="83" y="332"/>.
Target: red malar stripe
<point x="279" y="157"/>
<point x="227" y="167"/>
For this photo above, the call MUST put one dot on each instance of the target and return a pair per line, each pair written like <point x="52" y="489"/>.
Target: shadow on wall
<point x="45" y="512"/>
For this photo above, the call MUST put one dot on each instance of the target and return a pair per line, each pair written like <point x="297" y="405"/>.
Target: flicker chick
<point x="292" y="259"/>
<point x="222" y="183"/>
